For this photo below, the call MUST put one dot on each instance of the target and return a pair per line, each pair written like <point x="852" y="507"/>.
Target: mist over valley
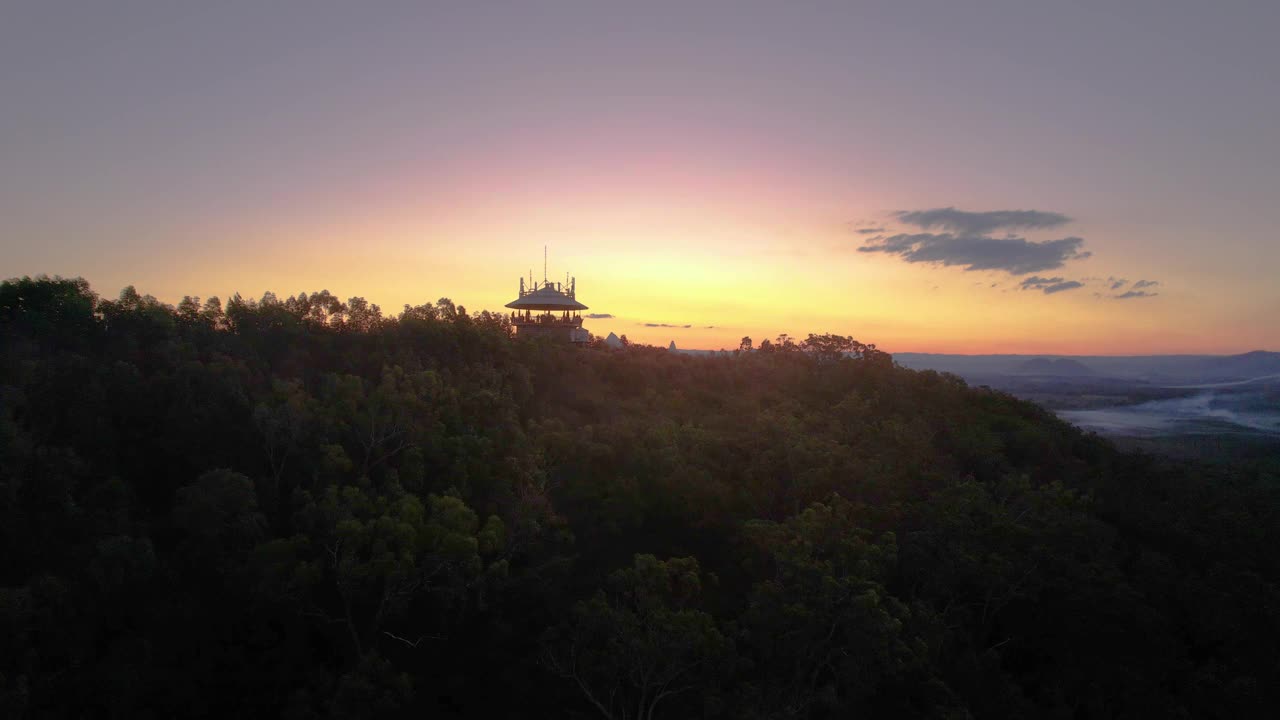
<point x="1156" y="396"/>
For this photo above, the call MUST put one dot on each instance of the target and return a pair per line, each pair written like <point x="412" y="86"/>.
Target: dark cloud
<point x="1059" y="287"/>
<point x="1136" y="290"/>
<point x="980" y="223"/>
<point x="1049" y="286"/>
<point x="1035" y="282"/>
<point x="869" y="231"/>
<point x="1117" y="283"/>
<point x="1014" y="255"/>
<point x="598" y="316"/>
<point x="667" y="325"/>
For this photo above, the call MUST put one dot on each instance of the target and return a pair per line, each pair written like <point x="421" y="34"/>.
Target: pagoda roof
<point x="546" y="298"/>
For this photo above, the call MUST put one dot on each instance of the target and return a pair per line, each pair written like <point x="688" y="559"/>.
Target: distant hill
<point x="1171" y="369"/>
<point x="1239" y="367"/>
<point x="1060" y="367"/>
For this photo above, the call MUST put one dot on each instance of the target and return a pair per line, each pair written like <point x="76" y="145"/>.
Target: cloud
<point x="1136" y="290"/>
<point x="598" y="316"/>
<point x="1035" y="282"/>
<point x="1049" y="286"/>
<point x="1059" y="287"/>
<point x="987" y="241"/>
<point x="980" y="223"/>
<point x="1014" y="255"/>
<point x="667" y="325"/>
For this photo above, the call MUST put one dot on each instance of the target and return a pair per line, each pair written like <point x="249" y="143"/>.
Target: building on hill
<point x="549" y="310"/>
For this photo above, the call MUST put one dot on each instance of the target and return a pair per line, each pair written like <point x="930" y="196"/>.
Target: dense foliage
<point x="302" y="508"/>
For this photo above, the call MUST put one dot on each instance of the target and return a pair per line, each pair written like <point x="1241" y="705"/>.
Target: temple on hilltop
<point x="550" y="310"/>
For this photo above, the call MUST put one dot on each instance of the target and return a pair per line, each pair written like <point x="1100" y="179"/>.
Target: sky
<point x="978" y="177"/>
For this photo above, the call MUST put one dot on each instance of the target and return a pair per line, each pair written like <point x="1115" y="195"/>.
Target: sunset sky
<point x="739" y="168"/>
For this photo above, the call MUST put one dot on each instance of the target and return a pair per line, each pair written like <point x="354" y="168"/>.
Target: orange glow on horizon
<point x="730" y="248"/>
<point x="657" y="272"/>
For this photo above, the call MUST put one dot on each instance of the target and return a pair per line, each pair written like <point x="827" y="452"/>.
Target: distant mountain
<point x="1239" y="367"/>
<point x="1172" y="369"/>
<point x="1061" y="367"/>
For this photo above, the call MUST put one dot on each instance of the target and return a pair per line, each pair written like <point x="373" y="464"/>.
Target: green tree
<point x="644" y="644"/>
<point x="826" y="636"/>
<point x="379" y="556"/>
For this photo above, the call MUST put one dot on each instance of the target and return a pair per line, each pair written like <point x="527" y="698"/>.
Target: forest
<point x="300" y="507"/>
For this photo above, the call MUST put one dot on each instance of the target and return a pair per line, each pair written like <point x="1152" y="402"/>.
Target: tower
<point x="549" y="309"/>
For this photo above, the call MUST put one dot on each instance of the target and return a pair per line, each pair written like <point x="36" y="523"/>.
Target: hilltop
<point x="306" y="507"/>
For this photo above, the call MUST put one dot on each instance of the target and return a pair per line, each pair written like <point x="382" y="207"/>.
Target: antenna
<point x="544" y="263"/>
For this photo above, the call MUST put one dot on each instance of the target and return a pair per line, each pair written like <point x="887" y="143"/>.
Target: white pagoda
<point x="549" y="309"/>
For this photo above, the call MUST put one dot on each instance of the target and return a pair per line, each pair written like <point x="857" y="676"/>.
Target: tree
<point x="212" y="313"/>
<point x="829" y="347"/>
<point x="379" y="556"/>
<point x="825" y="633"/>
<point x="281" y="421"/>
<point x="362" y="316"/>
<point x="220" y="510"/>
<point x="643" y="644"/>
